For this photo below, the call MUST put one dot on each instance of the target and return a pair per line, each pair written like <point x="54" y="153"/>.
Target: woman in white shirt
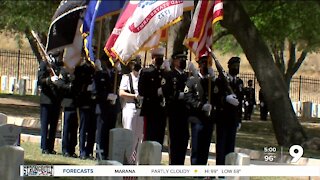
<point x="128" y="91"/>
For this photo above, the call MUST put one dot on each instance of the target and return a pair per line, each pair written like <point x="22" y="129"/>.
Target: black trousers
<point x="154" y="126"/>
<point x="87" y="131"/>
<point x="225" y="140"/>
<point x="106" y="121"/>
<point x="70" y="128"/>
<point x="179" y="136"/>
<point x="49" y="116"/>
<point x="248" y="111"/>
<point x="201" y="132"/>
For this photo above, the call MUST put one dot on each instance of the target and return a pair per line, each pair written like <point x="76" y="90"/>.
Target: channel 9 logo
<point x="296" y="151"/>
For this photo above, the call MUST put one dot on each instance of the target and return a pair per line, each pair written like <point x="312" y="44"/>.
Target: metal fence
<point x="18" y="65"/>
<point x="24" y="65"/>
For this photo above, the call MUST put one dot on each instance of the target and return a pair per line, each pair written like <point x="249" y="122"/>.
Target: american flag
<point x="132" y="161"/>
<point x="200" y="31"/>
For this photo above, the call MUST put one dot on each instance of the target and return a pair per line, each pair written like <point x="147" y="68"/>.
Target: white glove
<point x="181" y="95"/>
<point x="90" y="87"/>
<point x="98" y="65"/>
<point x="192" y="69"/>
<point x="232" y="99"/>
<point x="118" y="66"/>
<point x="160" y="93"/>
<point x="246" y="103"/>
<point x="261" y="104"/>
<point x="112" y="97"/>
<point x="166" y="65"/>
<point x="207" y="107"/>
<point x="54" y="78"/>
<point x="239" y="127"/>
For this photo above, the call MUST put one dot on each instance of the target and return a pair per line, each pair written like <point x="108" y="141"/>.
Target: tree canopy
<point x="17" y="16"/>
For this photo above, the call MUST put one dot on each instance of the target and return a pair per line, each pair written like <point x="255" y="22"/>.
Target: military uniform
<point x="249" y="101"/>
<point x="173" y="91"/>
<point x="70" y="120"/>
<point x="106" y="112"/>
<point x="50" y="102"/>
<point x="228" y="116"/>
<point x="196" y="96"/>
<point x="153" y="107"/>
<point x="263" y="106"/>
<point x="87" y="129"/>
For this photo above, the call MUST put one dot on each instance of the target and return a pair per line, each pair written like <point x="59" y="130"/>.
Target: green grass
<point x="253" y="135"/>
<point x="28" y="98"/>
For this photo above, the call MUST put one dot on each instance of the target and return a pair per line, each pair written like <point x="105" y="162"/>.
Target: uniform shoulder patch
<point x="163" y="81"/>
<point x="215" y="89"/>
<point x="186" y="89"/>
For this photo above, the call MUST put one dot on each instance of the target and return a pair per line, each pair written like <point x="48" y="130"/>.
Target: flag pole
<point x="145" y="59"/>
<point x="99" y="38"/>
<point x="42" y="50"/>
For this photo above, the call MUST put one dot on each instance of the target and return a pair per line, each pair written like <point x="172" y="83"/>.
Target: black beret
<point x="233" y="60"/>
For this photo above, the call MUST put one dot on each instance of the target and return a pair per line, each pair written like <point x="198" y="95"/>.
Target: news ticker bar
<point x="150" y="170"/>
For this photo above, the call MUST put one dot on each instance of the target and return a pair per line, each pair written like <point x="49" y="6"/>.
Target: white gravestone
<point x="120" y="144"/>
<point x="10" y="135"/>
<point x="11" y="157"/>
<point x="239" y="159"/>
<point x="4" y="80"/>
<point x="3" y="119"/>
<point x="149" y="153"/>
<point x="35" y="87"/>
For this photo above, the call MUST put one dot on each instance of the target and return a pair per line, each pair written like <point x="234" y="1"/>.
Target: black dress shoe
<point x="52" y="152"/>
<point x="90" y="157"/>
<point x="66" y="154"/>
<point x="45" y="152"/>
<point x="74" y="155"/>
<point x="83" y="157"/>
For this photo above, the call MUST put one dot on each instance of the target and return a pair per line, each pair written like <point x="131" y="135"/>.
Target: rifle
<point x="221" y="71"/>
<point x="43" y="52"/>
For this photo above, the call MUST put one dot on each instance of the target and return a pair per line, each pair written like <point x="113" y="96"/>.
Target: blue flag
<point x="97" y="9"/>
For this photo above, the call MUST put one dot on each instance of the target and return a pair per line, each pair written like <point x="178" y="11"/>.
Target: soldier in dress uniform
<point x="196" y="97"/>
<point x="66" y="87"/>
<point x="50" y="101"/>
<point x="173" y="91"/>
<point x="228" y="110"/>
<point x="153" y="107"/>
<point x="85" y="104"/>
<point x="107" y="103"/>
<point x="263" y="106"/>
<point x="249" y="100"/>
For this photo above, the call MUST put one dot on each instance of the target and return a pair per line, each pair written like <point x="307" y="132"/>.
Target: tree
<point x="287" y="129"/>
<point x="21" y="16"/>
<point x="288" y="28"/>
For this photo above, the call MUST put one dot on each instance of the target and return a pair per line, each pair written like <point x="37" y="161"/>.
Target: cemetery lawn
<point x="253" y="135"/>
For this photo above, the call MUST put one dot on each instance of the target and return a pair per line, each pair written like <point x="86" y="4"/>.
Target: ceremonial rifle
<point x="43" y="52"/>
<point x="221" y="71"/>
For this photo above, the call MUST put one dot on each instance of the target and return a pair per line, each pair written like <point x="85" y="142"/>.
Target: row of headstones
<point x="11" y="154"/>
<point x="120" y="148"/>
<point x="306" y="109"/>
<point x="149" y="153"/>
<point x="14" y="86"/>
